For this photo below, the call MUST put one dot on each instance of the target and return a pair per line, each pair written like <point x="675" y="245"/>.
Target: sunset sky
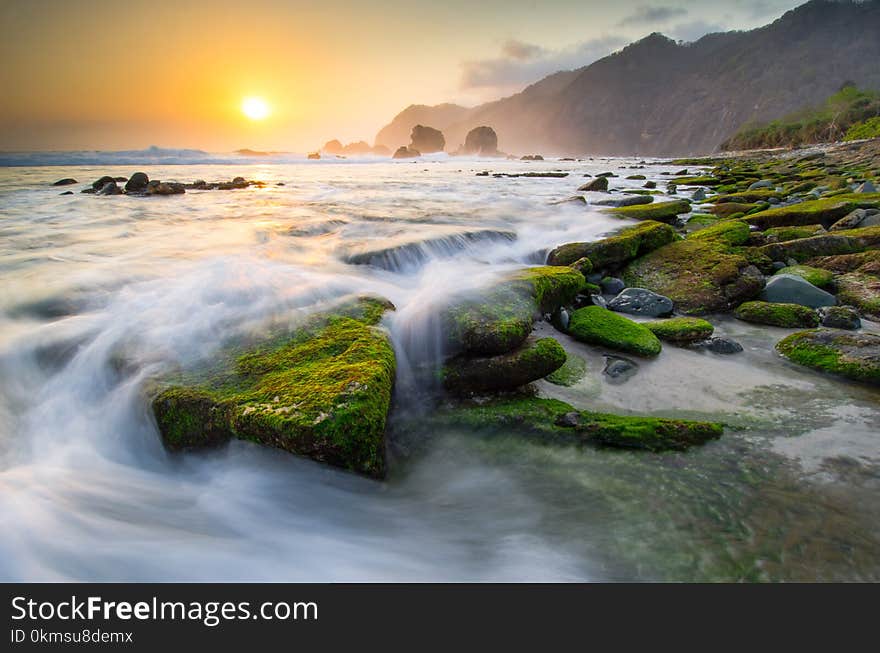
<point x="94" y="74"/>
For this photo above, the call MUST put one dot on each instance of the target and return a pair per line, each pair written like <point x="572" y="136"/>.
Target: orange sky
<point x="97" y="74"/>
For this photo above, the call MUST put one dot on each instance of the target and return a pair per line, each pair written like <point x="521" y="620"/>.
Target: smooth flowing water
<point x="98" y="295"/>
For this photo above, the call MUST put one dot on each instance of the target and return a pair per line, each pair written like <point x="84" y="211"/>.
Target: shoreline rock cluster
<point x="800" y="252"/>
<point x="140" y="184"/>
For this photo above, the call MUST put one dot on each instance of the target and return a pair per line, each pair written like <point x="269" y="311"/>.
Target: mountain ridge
<point x="660" y="97"/>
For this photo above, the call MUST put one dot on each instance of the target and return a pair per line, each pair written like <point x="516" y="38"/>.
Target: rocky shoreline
<point x="787" y="241"/>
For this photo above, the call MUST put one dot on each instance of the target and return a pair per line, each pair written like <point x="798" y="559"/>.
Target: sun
<point x="255" y="108"/>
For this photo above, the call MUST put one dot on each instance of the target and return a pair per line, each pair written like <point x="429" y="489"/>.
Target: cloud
<point x="693" y="30"/>
<point x="645" y="15"/>
<point x="520" y="63"/>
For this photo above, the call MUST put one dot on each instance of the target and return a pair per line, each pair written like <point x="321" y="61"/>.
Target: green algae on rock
<point x="816" y="276"/>
<point x="857" y="280"/>
<point x="533" y="361"/>
<point x="662" y="212"/>
<point x="729" y="232"/>
<point x="599" y="326"/>
<point x="323" y="392"/>
<point x="614" y="251"/>
<point x="699" y="275"/>
<point x="573" y="370"/>
<point x="780" y="234"/>
<point x="500" y="318"/>
<point x="823" y="211"/>
<point x="680" y="329"/>
<point x="789" y="316"/>
<point x="855" y="356"/>
<point x="554" y="420"/>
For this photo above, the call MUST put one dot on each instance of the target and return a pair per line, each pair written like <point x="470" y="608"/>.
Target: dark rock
<point x="571" y="419"/>
<point x="110" y="188"/>
<point x="640" y="301"/>
<point x="67" y="192"/>
<point x="650" y="184"/>
<point x="719" y="345"/>
<point x="531" y="157"/>
<point x="624" y="200"/>
<point x="99" y="184"/>
<point x="612" y="285"/>
<point x="314" y="156"/>
<point x="67" y="181"/>
<point x="619" y="369"/>
<point x="137" y="183"/>
<point x="89" y="191"/>
<point x="598" y="184"/>
<point x="157" y="187"/>
<point x="840" y="317"/>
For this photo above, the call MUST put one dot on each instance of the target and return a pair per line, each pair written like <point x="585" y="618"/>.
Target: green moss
<point x="323" y="393"/>
<point x="793" y="233"/>
<point x="698" y="275"/>
<point x="816" y="276"/>
<point x="862" y="290"/>
<point x="543" y="418"/>
<point x="599" y="326"/>
<point x="731" y="232"/>
<point x="500" y="318"/>
<point x="747" y="196"/>
<point x="531" y="362"/>
<point x="827" y="244"/>
<point x="616" y="250"/>
<point x="825" y="212"/>
<point x="681" y="329"/>
<point x="662" y="212"/>
<point x="731" y="209"/>
<point x="696" y="181"/>
<point x="572" y="371"/>
<point x="788" y="316"/>
<point x="855" y="356"/>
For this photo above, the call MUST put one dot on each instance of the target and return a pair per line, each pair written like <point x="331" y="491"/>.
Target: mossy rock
<point x="696" y="181"/>
<point x="616" y="250"/>
<point x="500" y="318"/>
<point x="730" y="232"/>
<point x="782" y="234"/>
<point x="827" y="244"/>
<point x="855" y="356"/>
<point x="730" y="209"/>
<point x="698" y="275"/>
<point x="747" y="197"/>
<point x="321" y="392"/>
<point x="788" y="316"/>
<point x="534" y="360"/>
<point x="599" y="326"/>
<point x="857" y="280"/>
<point x="662" y="212"/>
<point x="681" y="330"/>
<point x="556" y="421"/>
<point x="816" y="276"/>
<point x="824" y="211"/>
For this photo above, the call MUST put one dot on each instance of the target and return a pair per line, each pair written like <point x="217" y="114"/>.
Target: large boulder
<point x="663" y="212"/>
<point x="426" y="139"/>
<point x="623" y="200"/>
<point x="333" y="147"/>
<point x="534" y="360"/>
<point x="855" y="356"/>
<point x="614" y="251"/>
<point x="599" y="184"/>
<point x="599" y="326"/>
<point x="699" y="276"/>
<point x="816" y="276"/>
<point x="639" y="301"/>
<point x="825" y="212"/>
<point x="857" y="277"/>
<point x="793" y="289"/>
<point x="137" y="183"/>
<point x="323" y="392"/>
<point x="482" y="141"/>
<point x="498" y="319"/>
<point x="788" y="316"/>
